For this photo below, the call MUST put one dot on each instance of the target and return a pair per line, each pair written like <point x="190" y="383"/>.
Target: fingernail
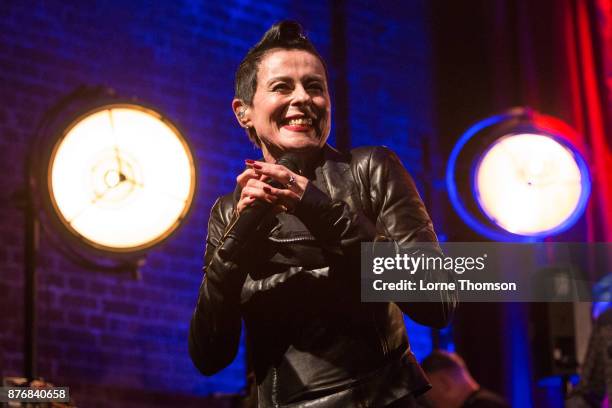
<point x="256" y="166"/>
<point x="249" y="161"/>
<point x="267" y="190"/>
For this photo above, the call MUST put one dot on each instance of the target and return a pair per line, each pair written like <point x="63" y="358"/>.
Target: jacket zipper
<point x="274" y="388"/>
<point x="296" y="239"/>
<point x="382" y="338"/>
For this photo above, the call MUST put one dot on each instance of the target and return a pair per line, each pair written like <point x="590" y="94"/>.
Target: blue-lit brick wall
<point x="390" y="79"/>
<point x="108" y="336"/>
<point x="390" y="90"/>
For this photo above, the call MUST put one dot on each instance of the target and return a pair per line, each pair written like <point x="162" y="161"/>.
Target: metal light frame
<point x="55" y="210"/>
<point x="483" y="135"/>
<point x="40" y="212"/>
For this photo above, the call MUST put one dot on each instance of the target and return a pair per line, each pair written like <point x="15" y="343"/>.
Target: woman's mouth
<point x="302" y="124"/>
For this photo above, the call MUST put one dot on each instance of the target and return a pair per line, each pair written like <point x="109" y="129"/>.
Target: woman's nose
<point x="300" y="95"/>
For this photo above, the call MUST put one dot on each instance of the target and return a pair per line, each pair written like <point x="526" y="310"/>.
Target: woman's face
<point x="291" y="109"/>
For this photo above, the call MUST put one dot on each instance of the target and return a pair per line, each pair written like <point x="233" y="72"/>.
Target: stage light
<point x="516" y="177"/>
<point x="528" y="183"/>
<point x="121" y="177"/>
<point x="107" y="179"/>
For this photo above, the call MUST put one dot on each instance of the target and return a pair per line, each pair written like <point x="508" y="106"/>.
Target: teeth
<point x="300" y="121"/>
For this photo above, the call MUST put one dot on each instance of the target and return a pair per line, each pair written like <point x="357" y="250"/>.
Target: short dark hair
<point x="443" y="360"/>
<point x="285" y="34"/>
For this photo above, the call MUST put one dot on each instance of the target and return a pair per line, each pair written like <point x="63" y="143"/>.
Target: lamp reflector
<point x="528" y="183"/>
<point x="122" y="178"/>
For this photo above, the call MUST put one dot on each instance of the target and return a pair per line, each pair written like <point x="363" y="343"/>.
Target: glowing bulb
<point x="122" y="178"/>
<point x="528" y="183"/>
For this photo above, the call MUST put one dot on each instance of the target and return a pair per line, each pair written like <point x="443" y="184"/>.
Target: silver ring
<point x="291" y="181"/>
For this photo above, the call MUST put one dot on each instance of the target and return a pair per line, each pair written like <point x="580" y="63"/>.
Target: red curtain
<point x="556" y="56"/>
<point x="587" y="29"/>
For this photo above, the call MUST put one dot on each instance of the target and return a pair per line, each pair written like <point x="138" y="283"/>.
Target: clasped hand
<point x="254" y="187"/>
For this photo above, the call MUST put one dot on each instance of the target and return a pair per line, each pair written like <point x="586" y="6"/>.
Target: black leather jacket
<point x="313" y="343"/>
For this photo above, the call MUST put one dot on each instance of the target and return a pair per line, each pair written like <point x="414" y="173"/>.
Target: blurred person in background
<point x="595" y="387"/>
<point x="453" y="385"/>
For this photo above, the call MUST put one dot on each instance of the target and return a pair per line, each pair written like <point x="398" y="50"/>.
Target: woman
<point x="295" y="283"/>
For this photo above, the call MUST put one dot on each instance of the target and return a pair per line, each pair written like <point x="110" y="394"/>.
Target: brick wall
<point x="120" y="341"/>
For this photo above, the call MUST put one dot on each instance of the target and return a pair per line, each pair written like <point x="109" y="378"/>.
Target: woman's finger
<point x="251" y="194"/>
<point x="258" y="193"/>
<point x="276" y="171"/>
<point x="282" y="193"/>
<point x="244" y="203"/>
<point x="247" y="175"/>
<point x="257" y="183"/>
<point x="289" y="179"/>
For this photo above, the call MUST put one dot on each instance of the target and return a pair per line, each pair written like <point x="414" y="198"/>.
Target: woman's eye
<point x="280" y="87"/>
<point x="317" y="87"/>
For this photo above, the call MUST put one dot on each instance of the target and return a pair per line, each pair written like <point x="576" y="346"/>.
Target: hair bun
<point x="284" y="33"/>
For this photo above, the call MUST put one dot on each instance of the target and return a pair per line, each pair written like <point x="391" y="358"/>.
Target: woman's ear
<point x="241" y="111"/>
<point x="243" y="114"/>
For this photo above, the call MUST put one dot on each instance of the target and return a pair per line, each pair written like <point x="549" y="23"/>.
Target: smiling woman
<point x="296" y="281"/>
<point x="290" y="110"/>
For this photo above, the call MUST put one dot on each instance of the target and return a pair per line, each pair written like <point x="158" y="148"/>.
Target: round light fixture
<point x="527" y="181"/>
<point x="541" y="186"/>
<point x="121" y="177"/>
<point x="114" y="178"/>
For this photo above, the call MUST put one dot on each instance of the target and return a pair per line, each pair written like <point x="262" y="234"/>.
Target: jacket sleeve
<point x="400" y="217"/>
<point x="214" y="332"/>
